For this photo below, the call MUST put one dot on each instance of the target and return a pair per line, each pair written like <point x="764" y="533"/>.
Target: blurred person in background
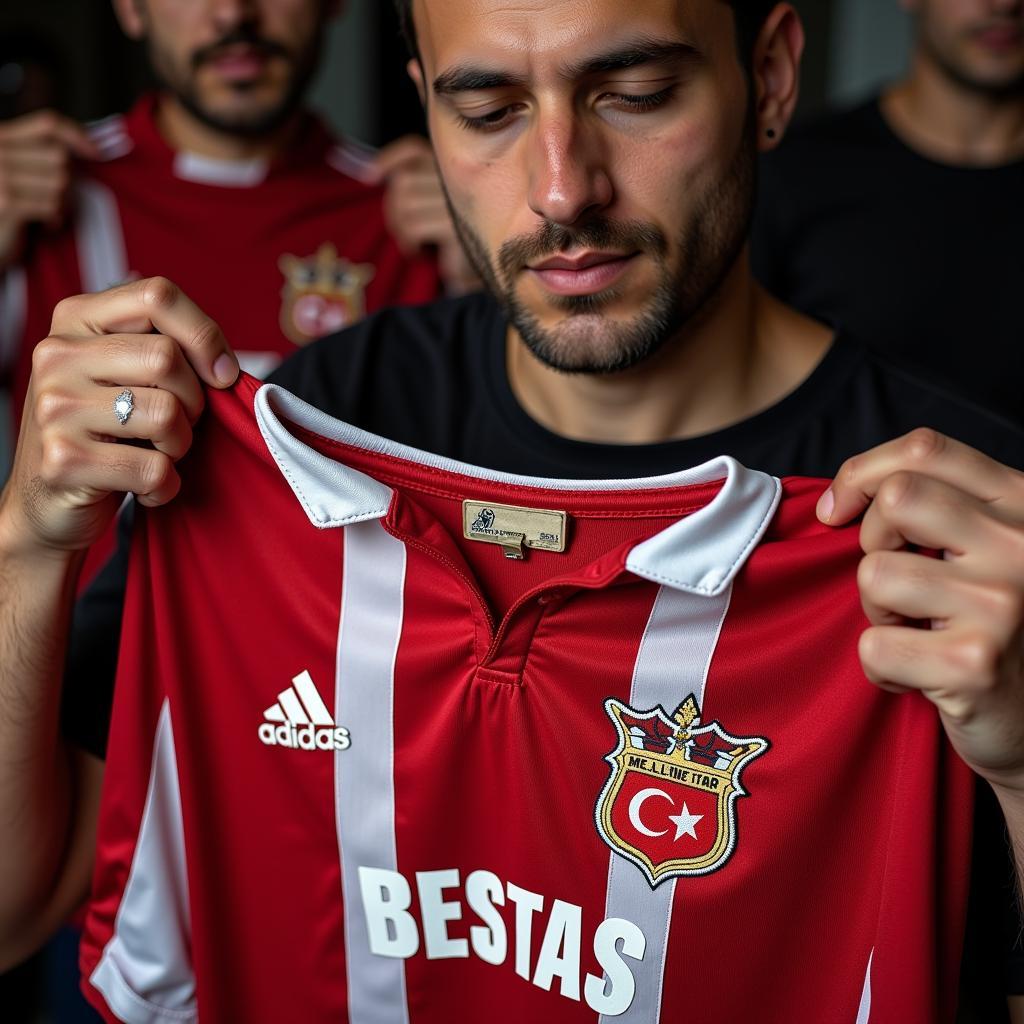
<point x="902" y="219"/>
<point x="222" y="179"/>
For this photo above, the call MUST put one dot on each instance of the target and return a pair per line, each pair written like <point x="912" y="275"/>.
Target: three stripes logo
<point x="300" y="720"/>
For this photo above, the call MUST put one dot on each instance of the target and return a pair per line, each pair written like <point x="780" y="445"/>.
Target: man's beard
<point x="589" y="342"/>
<point x="258" y="121"/>
<point x="960" y="73"/>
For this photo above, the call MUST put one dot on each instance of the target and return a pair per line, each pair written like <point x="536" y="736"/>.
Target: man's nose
<point x="229" y="14"/>
<point x="568" y="177"/>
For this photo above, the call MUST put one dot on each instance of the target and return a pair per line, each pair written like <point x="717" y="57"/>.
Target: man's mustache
<point x="599" y="233"/>
<point x="239" y="37"/>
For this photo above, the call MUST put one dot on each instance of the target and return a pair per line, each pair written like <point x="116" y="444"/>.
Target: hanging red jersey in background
<point x="278" y="253"/>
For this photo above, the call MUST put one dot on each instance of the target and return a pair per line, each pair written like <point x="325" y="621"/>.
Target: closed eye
<point x="489" y="122"/>
<point x="643" y="102"/>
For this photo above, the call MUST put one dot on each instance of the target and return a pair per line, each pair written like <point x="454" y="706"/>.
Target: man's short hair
<point x="750" y="16"/>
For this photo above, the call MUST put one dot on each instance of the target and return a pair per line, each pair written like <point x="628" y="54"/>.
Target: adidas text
<point x="304" y="737"/>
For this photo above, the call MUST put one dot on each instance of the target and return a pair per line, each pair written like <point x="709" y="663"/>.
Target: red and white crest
<point x="322" y="293"/>
<point x="669" y="804"/>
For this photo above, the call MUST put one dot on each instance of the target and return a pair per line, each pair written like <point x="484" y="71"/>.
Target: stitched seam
<point x="398" y="481"/>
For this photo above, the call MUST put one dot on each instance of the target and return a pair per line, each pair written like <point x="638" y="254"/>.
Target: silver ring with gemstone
<point x="124" y="406"/>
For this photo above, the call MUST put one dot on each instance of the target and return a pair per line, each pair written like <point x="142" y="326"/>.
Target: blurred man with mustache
<point x="224" y="179"/>
<point x="902" y="219"/>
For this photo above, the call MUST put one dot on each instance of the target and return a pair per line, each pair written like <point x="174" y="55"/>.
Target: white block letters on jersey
<point x="618" y="945"/>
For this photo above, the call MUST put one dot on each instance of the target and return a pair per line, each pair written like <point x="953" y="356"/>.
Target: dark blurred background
<point x="852" y="45"/>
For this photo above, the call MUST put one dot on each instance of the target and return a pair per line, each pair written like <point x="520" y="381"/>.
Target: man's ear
<point x="415" y="69"/>
<point x="776" y="73"/>
<point x="130" y="18"/>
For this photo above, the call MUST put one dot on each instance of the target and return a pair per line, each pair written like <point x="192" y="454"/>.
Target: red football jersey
<point x="278" y="253"/>
<point x="397" y="740"/>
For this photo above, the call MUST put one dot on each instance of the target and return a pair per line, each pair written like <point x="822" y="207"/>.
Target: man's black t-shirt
<point x="434" y="377"/>
<point x="921" y="260"/>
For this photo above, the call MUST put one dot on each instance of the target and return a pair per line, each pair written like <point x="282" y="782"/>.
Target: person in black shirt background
<point x="902" y="220"/>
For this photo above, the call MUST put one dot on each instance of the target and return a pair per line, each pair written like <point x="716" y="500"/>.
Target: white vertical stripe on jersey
<point x="673" y="662"/>
<point x="145" y="973"/>
<point x="102" y="258"/>
<point x="864" y="1010"/>
<point x="372" y="608"/>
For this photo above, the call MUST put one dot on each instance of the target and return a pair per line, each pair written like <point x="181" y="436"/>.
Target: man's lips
<point x="239" y="63"/>
<point x="582" y="274"/>
<point x="1001" y="37"/>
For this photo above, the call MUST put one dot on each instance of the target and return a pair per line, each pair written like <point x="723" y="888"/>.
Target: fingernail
<point x="225" y="369"/>
<point x="826" y="505"/>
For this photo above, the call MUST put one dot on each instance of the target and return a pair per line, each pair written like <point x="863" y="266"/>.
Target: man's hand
<point x="71" y="466"/>
<point x="417" y="213"/>
<point x="925" y="490"/>
<point x="35" y="172"/>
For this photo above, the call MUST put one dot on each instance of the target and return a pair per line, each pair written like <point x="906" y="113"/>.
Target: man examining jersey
<point x="600" y="168"/>
<point x="901" y="218"/>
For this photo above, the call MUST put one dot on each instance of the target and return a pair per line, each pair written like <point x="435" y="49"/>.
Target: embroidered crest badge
<point x="322" y="293"/>
<point x="669" y="804"/>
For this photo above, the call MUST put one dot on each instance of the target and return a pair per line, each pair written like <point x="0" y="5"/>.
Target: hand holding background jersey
<point x="417" y="213"/>
<point x="35" y="172"/>
<point x="930" y="491"/>
<point x="69" y="473"/>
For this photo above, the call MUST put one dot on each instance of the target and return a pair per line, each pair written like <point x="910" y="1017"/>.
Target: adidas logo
<point x="300" y="720"/>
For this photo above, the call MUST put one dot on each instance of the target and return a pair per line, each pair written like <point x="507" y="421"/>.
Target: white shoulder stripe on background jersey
<point x="372" y="612"/>
<point x="145" y="973"/>
<point x="672" y="663"/>
<point x="111" y="137"/>
<point x="102" y="256"/>
<point x="354" y="159"/>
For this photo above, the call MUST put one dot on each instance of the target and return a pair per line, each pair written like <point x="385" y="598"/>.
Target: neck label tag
<point x="514" y="527"/>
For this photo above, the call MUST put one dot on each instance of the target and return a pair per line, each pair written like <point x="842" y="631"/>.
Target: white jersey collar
<point x="701" y="553"/>
<point x="206" y="170"/>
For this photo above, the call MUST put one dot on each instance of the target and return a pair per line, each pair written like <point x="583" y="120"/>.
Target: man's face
<point x="240" y="67"/>
<point x="598" y="158"/>
<point x="979" y="43"/>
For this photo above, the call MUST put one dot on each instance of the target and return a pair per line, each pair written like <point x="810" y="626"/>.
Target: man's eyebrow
<point x="465" y="78"/>
<point x="469" y="78"/>
<point x="631" y="55"/>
